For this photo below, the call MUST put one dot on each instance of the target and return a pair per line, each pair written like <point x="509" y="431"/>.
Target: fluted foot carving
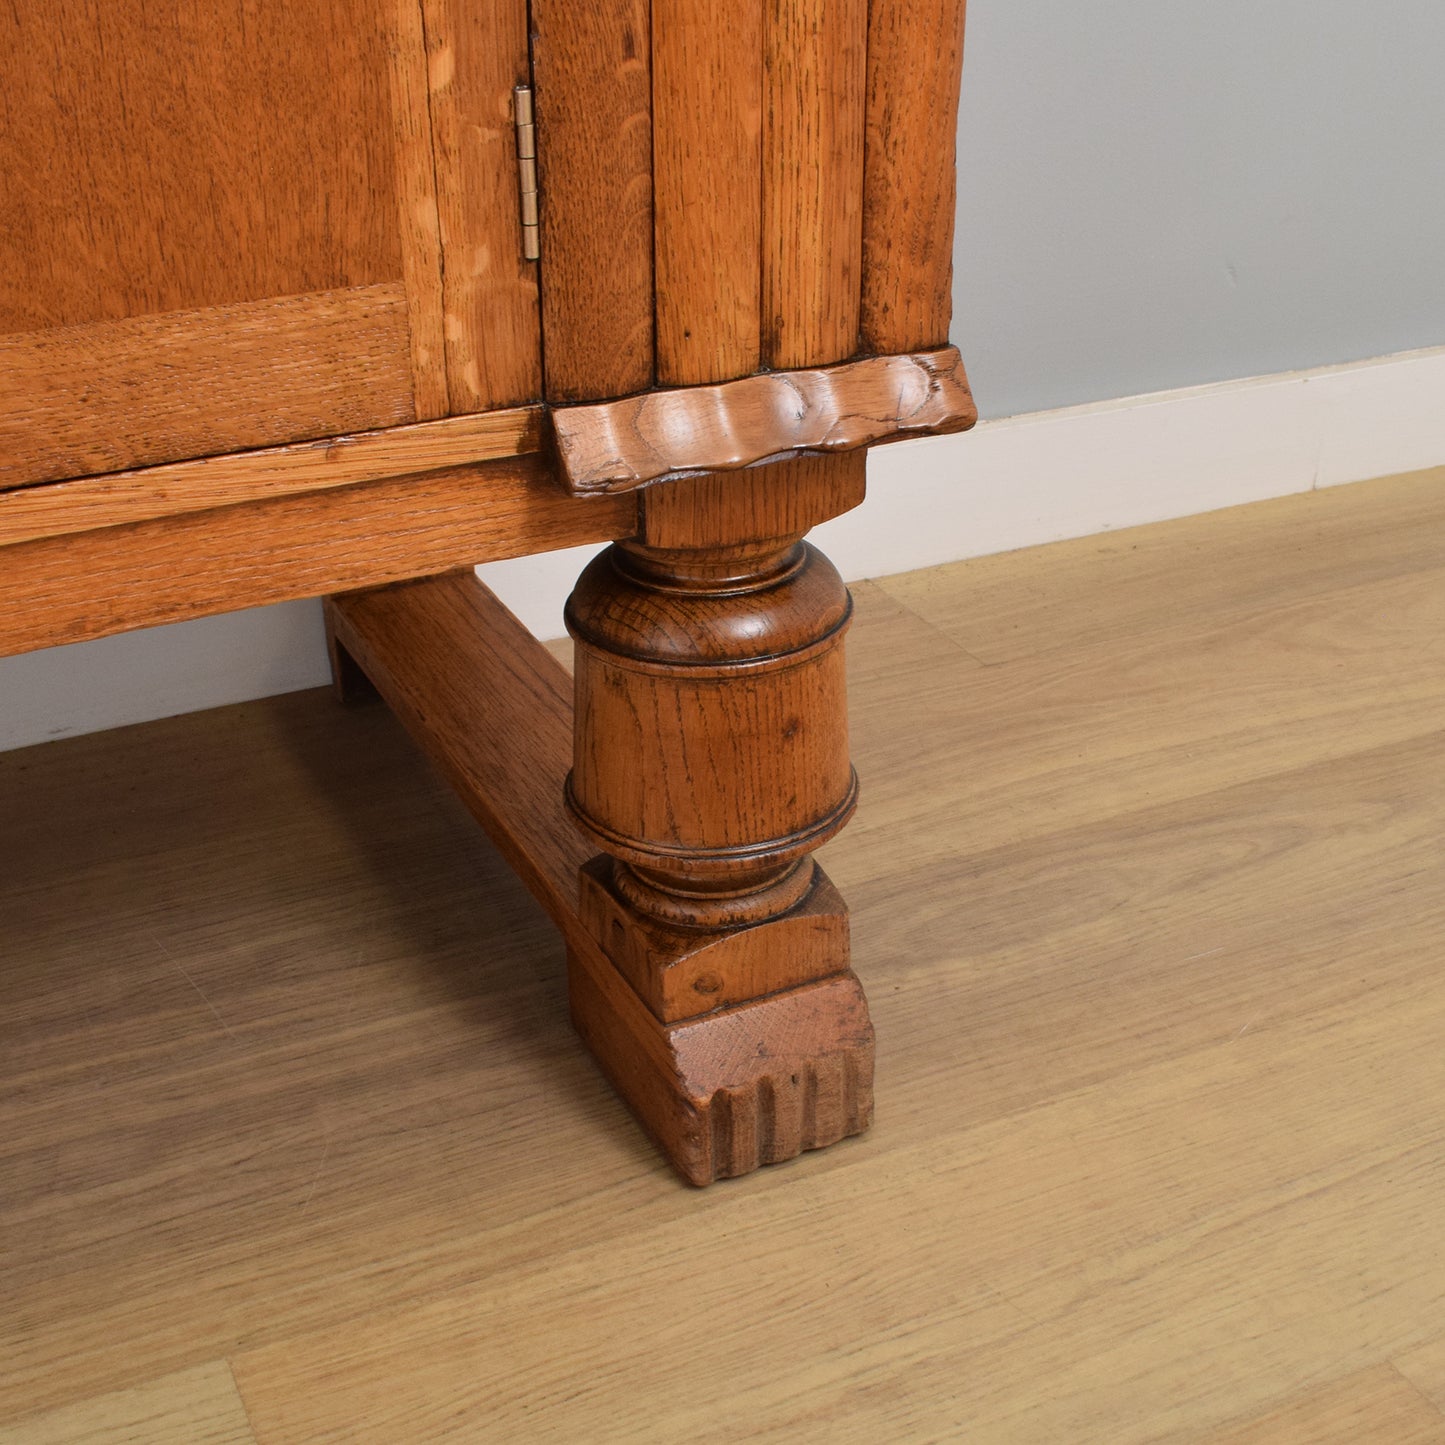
<point x="727" y="1092"/>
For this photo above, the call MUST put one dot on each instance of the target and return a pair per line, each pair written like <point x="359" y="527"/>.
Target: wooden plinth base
<point x="722" y="1092"/>
<point x="739" y="1088"/>
<point x="734" y="1049"/>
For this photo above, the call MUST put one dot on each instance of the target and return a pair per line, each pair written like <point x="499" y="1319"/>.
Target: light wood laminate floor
<point x="1149" y="898"/>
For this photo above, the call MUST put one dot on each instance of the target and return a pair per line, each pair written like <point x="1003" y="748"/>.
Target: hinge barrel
<point x="527" y="172"/>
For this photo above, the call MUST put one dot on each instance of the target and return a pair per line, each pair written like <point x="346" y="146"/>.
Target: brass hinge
<point x="527" y="172"/>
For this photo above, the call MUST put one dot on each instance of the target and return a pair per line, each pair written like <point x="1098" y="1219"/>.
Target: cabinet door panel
<point x="80" y="400"/>
<point x="220" y="225"/>
<point x="169" y="157"/>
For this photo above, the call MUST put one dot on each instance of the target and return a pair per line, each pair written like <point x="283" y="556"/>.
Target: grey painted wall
<point x="1157" y="193"/>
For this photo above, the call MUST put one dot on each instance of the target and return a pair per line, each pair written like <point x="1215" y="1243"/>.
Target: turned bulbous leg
<point x="710" y="760"/>
<point x="711" y="754"/>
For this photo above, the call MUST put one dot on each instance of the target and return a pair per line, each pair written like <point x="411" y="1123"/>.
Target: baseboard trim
<point x="1027" y="480"/>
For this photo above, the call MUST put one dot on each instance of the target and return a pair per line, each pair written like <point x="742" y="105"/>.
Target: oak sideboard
<point x="340" y="298"/>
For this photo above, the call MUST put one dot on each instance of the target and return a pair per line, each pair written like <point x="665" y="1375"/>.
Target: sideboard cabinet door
<point x="228" y="224"/>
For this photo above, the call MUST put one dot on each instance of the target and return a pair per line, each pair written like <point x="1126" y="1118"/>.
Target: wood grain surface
<point x="148" y="174"/>
<point x="736" y="1090"/>
<point x="777" y="499"/>
<point x="814" y="98"/>
<point x="724" y="1083"/>
<point x="711" y="746"/>
<point x="718" y="776"/>
<point x="619" y="445"/>
<point x="915" y="59"/>
<point x="680" y="972"/>
<point x="88" y="584"/>
<point x="476" y="54"/>
<point x="712" y="727"/>
<point x="1424" y="1367"/>
<point x="416" y="203"/>
<point x="205" y="155"/>
<point x="83" y="399"/>
<point x="1149" y="913"/>
<point x="198" y="1406"/>
<point x="707" y="83"/>
<point x="592" y="71"/>
<point x="709" y="750"/>
<point x="1373" y="1404"/>
<point x="1079" y="595"/>
<point x="710" y="759"/>
<point x="489" y="706"/>
<point x="29" y="513"/>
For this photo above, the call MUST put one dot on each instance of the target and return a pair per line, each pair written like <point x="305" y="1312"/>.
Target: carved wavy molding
<point x="615" y="446"/>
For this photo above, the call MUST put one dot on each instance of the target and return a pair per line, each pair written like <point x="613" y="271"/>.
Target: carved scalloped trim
<point x="615" y="446"/>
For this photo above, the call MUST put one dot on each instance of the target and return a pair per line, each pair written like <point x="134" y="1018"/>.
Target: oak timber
<point x="682" y="972"/>
<point x="711" y="754"/>
<point x="206" y="155"/>
<point x="416" y="204"/>
<point x="621" y="445"/>
<point x="150" y="178"/>
<point x="915" y="59"/>
<point x="814" y="99"/>
<point x="707" y="83"/>
<point x="476" y="54"/>
<point x="1161" y="1071"/>
<point x="724" y="1083"/>
<point x="710" y="759"/>
<point x="29" y="513"/>
<point x="491" y="708"/>
<point x="774" y="500"/>
<point x="68" y="589"/>
<point x="712" y="732"/>
<point x="592" y="73"/>
<point x="76" y="400"/>
<point x="732" y="1091"/>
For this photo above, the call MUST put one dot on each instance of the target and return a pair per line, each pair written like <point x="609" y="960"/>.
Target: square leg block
<point x="751" y="1084"/>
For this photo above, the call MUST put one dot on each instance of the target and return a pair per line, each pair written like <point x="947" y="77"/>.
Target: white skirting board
<point x="1007" y="484"/>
